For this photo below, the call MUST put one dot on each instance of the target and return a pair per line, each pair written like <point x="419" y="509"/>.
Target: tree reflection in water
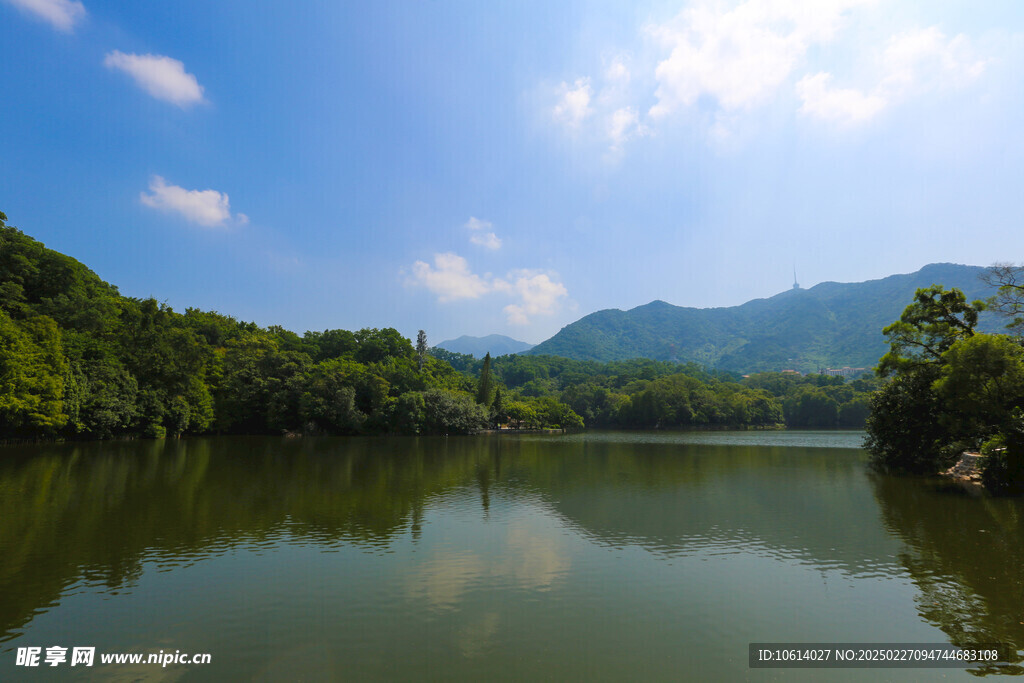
<point x="966" y="555"/>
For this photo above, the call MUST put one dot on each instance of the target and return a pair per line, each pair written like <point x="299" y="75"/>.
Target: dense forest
<point x="79" y="360"/>
<point x="951" y="388"/>
<point x="644" y="393"/>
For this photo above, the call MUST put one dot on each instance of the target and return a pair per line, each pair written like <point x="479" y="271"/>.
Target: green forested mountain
<point x="829" y="325"/>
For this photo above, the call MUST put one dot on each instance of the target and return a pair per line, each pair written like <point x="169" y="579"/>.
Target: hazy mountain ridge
<point x="495" y="344"/>
<point x="829" y="325"/>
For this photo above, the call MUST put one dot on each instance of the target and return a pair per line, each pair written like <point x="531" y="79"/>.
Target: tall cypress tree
<point x="483" y="394"/>
<point x="421" y="347"/>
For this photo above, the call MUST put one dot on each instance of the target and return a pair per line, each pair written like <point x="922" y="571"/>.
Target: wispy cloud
<point x="481" y="233"/>
<point x="925" y="59"/>
<point x="623" y="124"/>
<point x="913" y="63"/>
<point x="717" y="61"/>
<point x="61" y="14"/>
<point x="162" y="77"/>
<point x="617" y="72"/>
<point x="574" y="103"/>
<point x="450" y="278"/>
<point x="843" y="106"/>
<point x="208" y="208"/>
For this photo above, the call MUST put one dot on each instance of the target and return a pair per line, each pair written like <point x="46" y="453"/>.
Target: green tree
<point x="421" y="348"/>
<point x="485" y="386"/>
<point x="552" y="413"/>
<point x="854" y="413"/>
<point x="811" y="407"/>
<point x="106" y="395"/>
<point x="905" y="430"/>
<point x="375" y="346"/>
<point x="409" y="414"/>
<point x="927" y="328"/>
<point x="330" y="344"/>
<point x="1004" y="466"/>
<point x="447" y="412"/>
<point x="909" y="428"/>
<point x="32" y="372"/>
<point x="981" y="384"/>
<point x="1008" y="280"/>
<point x="498" y="408"/>
<point x="521" y="415"/>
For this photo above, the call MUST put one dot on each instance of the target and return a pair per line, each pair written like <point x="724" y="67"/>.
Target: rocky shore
<point x="967" y="469"/>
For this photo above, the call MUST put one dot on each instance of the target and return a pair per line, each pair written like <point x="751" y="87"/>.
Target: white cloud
<point x="617" y="73"/>
<point x="61" y="14"/>
<point x="717" y="61"/>
<point x="534" y="292"/>
<point x="623" y="124"/>
<point x="741" y="56"/>
<point x="615" y="120"/>
<point x="162" y="77"/>
<point x="925" y="59"/>
<point x="913" y="63"/>
<point x="481" y="233"/>
<point x="836" y="105"/>
<point x="539" y="294"/>
<point x="450" y="278"/>
<point x="574" y="104"/>
<point x="208" y="208"/>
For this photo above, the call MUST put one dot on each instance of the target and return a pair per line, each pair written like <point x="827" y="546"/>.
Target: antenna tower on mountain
<point x="796" y="285"/>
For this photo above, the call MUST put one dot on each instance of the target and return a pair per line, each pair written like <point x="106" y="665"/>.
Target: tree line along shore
<point x="80" y="361"/>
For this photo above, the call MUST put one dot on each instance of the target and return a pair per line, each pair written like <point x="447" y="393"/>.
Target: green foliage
<point x="553" y="413"/>
<point x="854" y="413"/>
<point x="409" y="414"/>
<point x="462" y="362"/>
<point x="522" y="415"/>
<point x="936" y="320"/>
<point x="498" y="414"/>
<point x="35" y="280"/>
<point x="905" y="430"/>
<point x="484" y="392"/>
<point x="952" y="389"/>
<point x="32" y="375"/>
<point x="421" y="348"/>
<point x="330" y="344"/>
<point x="981" y="384"/>
<point x="108" y="397"/>
<point x="1004" y="465"/>
<point x="446" y="412"/>
<point x="811" y="407"/>
<point x="375" y="346"/>
<point x="1008" y="300"/>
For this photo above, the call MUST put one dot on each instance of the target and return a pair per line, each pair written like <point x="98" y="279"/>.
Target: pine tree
<point x="421" y="347"/>
<point x="483" y="394"/>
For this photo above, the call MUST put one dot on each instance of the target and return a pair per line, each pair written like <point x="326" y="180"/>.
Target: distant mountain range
<point x="829" y="325"/>
<point x="495" y="344"/>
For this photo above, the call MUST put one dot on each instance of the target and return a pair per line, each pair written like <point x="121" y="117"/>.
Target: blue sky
<point x="477" y="168"/>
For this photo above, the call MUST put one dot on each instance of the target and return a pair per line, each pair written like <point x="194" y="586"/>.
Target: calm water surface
<point x="598" y="556"/>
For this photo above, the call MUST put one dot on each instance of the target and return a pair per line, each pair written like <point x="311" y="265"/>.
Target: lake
<point x="597" y="556"/>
